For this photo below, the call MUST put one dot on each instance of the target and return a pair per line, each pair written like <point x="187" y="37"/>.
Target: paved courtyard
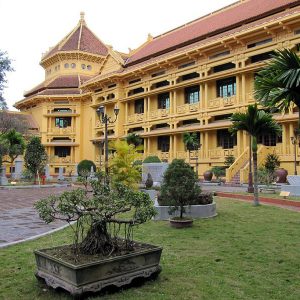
<point x="18" y="218"/>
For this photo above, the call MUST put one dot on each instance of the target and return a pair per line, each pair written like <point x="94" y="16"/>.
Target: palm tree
<point x="191" y="142"/>
<point x="134" y="139"/>
<point x="255" y="122"/>
<point x="277" y="86"/>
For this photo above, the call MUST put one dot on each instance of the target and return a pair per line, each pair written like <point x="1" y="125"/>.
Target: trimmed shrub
<point x="84" y="167"/>
<point x="201" y="199"/>
<point x="151" y="159"/>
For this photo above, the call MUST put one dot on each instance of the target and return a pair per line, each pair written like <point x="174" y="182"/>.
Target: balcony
<point x="61" y="160"/>
<point x="188" y="108"/>
<point x="221" y="153"/>
<point x="136" y="118"/>
<point x="61" y="131"/>
<point x="159" y="113"/>
<point x="222" y="102"/>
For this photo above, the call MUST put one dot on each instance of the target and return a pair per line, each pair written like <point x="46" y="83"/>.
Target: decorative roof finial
<point x="82" y="17"/>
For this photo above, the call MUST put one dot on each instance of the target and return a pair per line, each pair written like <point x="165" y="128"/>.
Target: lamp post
<point x="294" y="142"/>
<point x="105" y="119"/>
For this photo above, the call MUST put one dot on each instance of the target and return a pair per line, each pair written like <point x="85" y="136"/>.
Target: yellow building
<point x="190" y="79"/>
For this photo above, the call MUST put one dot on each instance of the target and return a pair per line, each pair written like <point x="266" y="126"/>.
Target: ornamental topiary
<point x="84" y="167"/>
<point x="151" y="159"/>
<point x="179" y="186"/>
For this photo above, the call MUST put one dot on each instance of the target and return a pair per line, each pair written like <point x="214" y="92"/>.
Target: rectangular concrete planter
<point x="193" y="211"/>
<point x="92" y="277"/>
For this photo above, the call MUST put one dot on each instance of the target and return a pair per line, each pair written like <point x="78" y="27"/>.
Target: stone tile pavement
<point x="18" y="218"/>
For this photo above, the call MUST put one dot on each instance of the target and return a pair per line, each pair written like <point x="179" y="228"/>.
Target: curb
<point x="261" y="199"/>
<point x="33" y="237"/>
<point x="4" y="187"/>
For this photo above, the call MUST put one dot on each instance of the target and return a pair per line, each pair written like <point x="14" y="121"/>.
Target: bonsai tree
<point x="179" y="185"/>
<point x="98" y="223"/>
<point x="35" y="156"/>
<point x="256" y="122"/>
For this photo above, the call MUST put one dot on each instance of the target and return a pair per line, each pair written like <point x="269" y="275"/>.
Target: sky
<point x="28" y="28"/>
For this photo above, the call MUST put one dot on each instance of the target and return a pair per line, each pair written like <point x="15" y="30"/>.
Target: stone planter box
<point x="193" y="211"/>
<point x="92" y="277"/>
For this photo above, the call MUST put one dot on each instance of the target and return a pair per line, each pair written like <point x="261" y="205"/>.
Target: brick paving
<point x="18" y="218"/>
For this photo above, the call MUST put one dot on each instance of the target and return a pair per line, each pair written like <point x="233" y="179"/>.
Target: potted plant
<point x="99" y="256"/>
<point x="178" y="188"/>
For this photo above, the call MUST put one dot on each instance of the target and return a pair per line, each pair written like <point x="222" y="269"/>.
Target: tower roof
<point x="81" y="38"/>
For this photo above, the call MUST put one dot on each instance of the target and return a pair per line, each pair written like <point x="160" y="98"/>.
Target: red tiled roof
<point x="67" y="84"/>
<point x="223" y="20"/>
<point x="80" y="39"/>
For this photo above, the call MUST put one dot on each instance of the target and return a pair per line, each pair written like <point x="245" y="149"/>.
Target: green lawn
<point x="245" y="252"/>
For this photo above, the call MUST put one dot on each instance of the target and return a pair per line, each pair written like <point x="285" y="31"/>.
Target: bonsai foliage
<point x="84" y="168"/>
<point x="179" y="185"/>
<point x="35" y="156"/>
<point x="99" y="215"/>
<point x="277" y="86"/>
<point x="151" y="159"/>
<point x="122" y="166"/>
<point x="256" y="122"/>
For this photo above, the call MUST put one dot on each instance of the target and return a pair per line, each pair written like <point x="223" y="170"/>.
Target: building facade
<point x="190" y="79"/>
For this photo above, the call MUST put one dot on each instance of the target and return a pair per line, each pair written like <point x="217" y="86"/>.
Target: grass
<point x="245" y="252"/>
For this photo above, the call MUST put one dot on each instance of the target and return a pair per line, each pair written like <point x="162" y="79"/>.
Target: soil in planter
<point x="181" y="219"/>
<point x="66" y="253"/>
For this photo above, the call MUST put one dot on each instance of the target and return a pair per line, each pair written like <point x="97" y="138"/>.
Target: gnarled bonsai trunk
<point x="98" y="240"/>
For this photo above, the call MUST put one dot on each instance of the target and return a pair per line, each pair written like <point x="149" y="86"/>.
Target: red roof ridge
<point x="232" y="16"/>
<point x="200" y="18"/>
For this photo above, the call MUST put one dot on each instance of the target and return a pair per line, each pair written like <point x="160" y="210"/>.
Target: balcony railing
<point x="135" y="118"/>
<point x="66" y="130"/>
<point x="61" y="160"/>
<point x="188" y="108"/>
<point x="221" y="153"/>
<point x="159" y="113"/>
<point x="222" y="102"/>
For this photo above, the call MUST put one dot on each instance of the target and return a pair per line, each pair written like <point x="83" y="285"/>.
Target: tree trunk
<point x="97" y="240"/>
<point x="254" y="154"/>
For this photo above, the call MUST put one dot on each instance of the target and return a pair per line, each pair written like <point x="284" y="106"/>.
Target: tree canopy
<point x="277" y="86"/>
<point x="5" y="66"/>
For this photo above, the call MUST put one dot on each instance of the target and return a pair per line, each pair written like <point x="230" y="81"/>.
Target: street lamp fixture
<point x="105" y="119"/>
<point x="294" y="141"/>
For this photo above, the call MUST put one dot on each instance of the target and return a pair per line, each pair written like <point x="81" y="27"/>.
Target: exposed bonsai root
<point x="97" y="241"/>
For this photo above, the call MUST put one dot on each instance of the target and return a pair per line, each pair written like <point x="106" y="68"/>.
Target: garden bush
<point x="151" y="159"/>
<point x="84" y="167"/>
